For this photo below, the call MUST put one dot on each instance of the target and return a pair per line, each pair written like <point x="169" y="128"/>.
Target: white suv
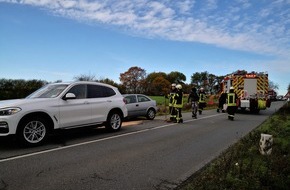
<point x="61" y="106"/>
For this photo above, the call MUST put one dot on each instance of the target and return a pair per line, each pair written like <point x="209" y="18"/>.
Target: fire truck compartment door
<point x="245" y="104"/>
<point x="251" y="86"/>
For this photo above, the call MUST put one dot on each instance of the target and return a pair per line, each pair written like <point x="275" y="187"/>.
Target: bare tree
<point x="85" y="77"/>
<point x="273" y="86"/>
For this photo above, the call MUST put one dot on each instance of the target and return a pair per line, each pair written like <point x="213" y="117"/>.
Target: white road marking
<point x="99" y="140"/>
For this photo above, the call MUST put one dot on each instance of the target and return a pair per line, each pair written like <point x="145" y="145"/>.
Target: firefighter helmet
<point x="179" y="86"/>
<point x="232" y="88"/>
<point x="173" y="85"/>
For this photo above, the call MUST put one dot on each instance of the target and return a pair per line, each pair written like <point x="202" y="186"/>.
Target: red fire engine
<point x="251" y="88"/>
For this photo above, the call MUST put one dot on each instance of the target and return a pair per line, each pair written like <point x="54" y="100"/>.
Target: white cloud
<point x="211" y="4"/>
<point x="68" y="4"/>
<point x="185" y="6"/>
<point x="241" y="24"/>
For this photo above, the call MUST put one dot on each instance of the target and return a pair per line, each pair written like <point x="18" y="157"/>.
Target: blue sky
<point x="61" y="39"/>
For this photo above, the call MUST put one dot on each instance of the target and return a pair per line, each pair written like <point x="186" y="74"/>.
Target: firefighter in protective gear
<point x="170" y="96"/>
<point x="222" y="101"/>
<point x="193" y="99"/>
<point x="178" y="104"/>
<point x="201" y="101"/>
<point x="231" y="103"/>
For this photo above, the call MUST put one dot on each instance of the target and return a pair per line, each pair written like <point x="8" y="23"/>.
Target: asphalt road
<point x="144" y="155"/>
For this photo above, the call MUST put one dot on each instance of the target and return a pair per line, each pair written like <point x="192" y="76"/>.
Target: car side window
<point x="109" y="91"/>
<point x="98" y="91"/>
<point x="79" y="90"/>
<point x="142" y="98"/>
<point x="131" y="99"/>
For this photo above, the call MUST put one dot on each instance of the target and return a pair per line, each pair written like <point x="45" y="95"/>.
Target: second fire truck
<point x="251" y="88"/>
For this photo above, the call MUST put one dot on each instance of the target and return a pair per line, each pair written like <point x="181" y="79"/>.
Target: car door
<point x="100" y="99"/>
<point x="132" y="105"/>
<point x="144" y="103"/>
<point x="75" y="112"/>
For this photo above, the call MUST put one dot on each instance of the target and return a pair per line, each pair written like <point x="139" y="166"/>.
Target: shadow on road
<point x="68" y="136"/>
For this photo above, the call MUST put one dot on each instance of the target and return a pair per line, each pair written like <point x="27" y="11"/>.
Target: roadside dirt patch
<point x="130" y="123"/>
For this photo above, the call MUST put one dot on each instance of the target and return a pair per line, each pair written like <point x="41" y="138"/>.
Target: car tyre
<point x="32" y="131"/>
<point x="151" y="113"/>
<point x="114" y="121"/>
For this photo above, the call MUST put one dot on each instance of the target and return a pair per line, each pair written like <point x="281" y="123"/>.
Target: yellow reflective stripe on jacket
<point x="201" y="98"/>
<point x="178" y="105"/>
<point x="231" y="99"/>
<point x="171" y="98"/>
<point x="175" y="104"/>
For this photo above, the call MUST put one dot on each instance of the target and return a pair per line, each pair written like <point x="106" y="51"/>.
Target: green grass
<point x="243" y="167"/>
<point x="160" y="100"/>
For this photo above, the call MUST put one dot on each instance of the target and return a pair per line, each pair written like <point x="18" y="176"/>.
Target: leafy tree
<point x="31" y="86"/>
<point x="210" y="82"/>
<point x="161" y="86"/>
<point x="150" y="87"/>
<point x="113" y="83"/>
<point x="288" y="88"/>
<point x="150" y="77"/>
<point x="217" y="84"/>
<point x="212" y="79"/>
<point x="6" y="89"/>
<point x="195" y="79"/>
<point x="14" y="89"/>
<point x="204" y="79"/>
<point x="186" y="88"/>
<point x="108" y="81"/>
<point x="133" y="80"/>
<point x="200" y="79"/>
<point x="176" y="77"/>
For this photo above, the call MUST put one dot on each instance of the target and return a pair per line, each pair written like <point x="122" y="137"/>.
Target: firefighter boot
<point x="193" y="115"/>
<point x="231" y="117"/>
<point x="180" y="120"/>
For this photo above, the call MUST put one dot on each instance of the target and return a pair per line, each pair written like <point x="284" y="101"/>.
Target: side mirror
<point x="69" y="96"/>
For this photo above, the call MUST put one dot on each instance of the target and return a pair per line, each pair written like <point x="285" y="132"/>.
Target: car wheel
<point x="150" y="114"/>
<point x="32" y="131"/>
<point x="114" y="121"/>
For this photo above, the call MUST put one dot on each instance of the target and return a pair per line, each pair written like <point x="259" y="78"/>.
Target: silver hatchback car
<point x="140" y="105"/>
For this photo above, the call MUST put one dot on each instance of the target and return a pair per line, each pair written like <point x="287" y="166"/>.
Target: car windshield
<point x="48" y="91"/>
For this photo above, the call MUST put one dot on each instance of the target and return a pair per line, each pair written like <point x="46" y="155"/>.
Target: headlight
<point x="9" y="111"/>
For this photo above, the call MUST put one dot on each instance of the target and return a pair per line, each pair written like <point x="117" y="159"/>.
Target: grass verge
<point x="243" y="167"/>
<point x="162" y="104"/>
